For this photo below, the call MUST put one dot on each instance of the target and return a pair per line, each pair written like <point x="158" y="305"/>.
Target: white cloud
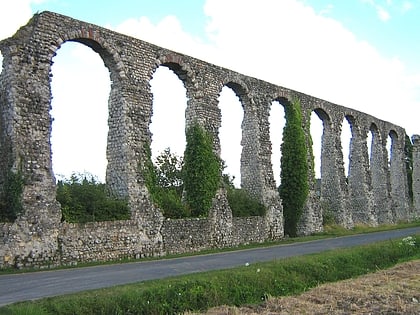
<point x="167" y="33"/>
<point x="327" y="9"/>
<point x="13" y="14"/>
<point x="287" y="43"/>
<point x="383" y="14"/>
<point x="406" y="6"/>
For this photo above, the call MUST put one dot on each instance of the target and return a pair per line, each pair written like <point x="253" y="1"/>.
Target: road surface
<point x="36" y="285"/>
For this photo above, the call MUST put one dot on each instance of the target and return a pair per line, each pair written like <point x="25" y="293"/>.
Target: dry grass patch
<point x="392" y="291"/>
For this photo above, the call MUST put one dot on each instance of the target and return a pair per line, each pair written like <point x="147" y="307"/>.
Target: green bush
<point x="83" y="199"/>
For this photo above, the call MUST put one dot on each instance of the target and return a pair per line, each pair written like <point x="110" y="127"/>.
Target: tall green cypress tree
<point x="202" y="171"/>
<point x="294" y="185"/>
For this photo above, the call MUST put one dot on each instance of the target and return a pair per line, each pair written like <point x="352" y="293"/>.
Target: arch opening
<point x="230" y="132"/>
<point x="277" y="121"/>
<point x="389" y="146"/>
<point x="1" y="63"/>
<point x="168" y="118"/>
<point x="371" y="139"/>
<point x="317" y="130"/>
<point x="80" y="116"/>
<point x="346" y="142"/>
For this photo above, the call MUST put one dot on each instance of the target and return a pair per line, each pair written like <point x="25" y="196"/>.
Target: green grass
<point x="245" y="285"/>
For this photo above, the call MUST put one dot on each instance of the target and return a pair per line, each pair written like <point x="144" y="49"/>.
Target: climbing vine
<point x="294" y="186"/>
<point x="202" y="171"/>
<point x="11" y="197"/>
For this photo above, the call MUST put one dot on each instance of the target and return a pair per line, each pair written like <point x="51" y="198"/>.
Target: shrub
<point x="240" y="202"/>
<point x="83" y="199"/>
<point x="243" y="205"/>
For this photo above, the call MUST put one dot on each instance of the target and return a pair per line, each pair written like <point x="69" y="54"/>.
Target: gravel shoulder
<point x="391" y="291"/>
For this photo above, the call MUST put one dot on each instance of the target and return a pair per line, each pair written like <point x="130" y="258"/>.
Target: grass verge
<point x="245" y="285"/>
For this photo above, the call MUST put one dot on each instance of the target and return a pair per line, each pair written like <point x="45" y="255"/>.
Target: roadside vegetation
<point x="249" y="284"/>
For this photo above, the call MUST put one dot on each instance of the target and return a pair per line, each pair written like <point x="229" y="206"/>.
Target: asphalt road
<point x="36" y="285"/>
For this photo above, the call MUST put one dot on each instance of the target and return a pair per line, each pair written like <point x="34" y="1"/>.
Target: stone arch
<point x="393" y="137"/>
<point x="376" y="141"/>
<point x="230" y="131"/>
<point x="380" y="176"/>
<point x="92" y="40"/>
<point x="241" y="92"/>
<point x="79" y="127"/>
<point x="359" y="180"/>
<point x="1" y="62"/>
<point x="277" y="121"/>
<point x="183" y="70"/>
<point x="347" y="139"/>
<point x="333" y="187"/>
<point x="398" y="176"/>
<point x="116" y="154"/>
<point x="177" y="71"/>
<point x="284" y="101"/>
<point x="319" y="154"/>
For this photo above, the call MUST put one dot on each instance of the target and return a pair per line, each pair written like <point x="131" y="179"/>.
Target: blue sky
<point x="362" y="54"/>
<point x="389" y="25"/>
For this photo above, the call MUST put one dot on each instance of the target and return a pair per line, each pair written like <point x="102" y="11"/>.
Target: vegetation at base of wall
<point x="240" y="201"/>
<point x="243" y="205"/>
<point x="165" y="183"/>
<point x="408" y="151"/>
<point x="202" y="171"/>
<point x="83" y="199"/>
<point x="294" y="187"/>
<point x="250" y="284"/>
<point x="11" y="197"/>
<point x="164" y="179"/>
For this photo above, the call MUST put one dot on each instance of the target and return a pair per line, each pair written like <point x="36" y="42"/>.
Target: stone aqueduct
<point x="375" y="192"/>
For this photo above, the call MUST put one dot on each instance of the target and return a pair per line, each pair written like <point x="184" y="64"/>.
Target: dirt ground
<point x="391" y="291"/>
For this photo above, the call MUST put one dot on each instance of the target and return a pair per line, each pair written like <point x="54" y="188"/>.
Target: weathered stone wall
<point x="103" y="241"/>
<point x="373" y="193"/>
<point x="186" y="235"/>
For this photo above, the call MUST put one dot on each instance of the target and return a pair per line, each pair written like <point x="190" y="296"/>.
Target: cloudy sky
<point x="362" y="54"/>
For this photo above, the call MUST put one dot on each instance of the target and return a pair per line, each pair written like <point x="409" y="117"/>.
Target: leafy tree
<point x="169" y="171"/>
<point x="83" y="199"/>
<point x="165" y="184"/>
<point x="294" y="185"/>
<point x="202" y="171"/>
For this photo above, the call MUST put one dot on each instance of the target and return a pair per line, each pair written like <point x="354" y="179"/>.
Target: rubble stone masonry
<point x="375" y="191"/>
